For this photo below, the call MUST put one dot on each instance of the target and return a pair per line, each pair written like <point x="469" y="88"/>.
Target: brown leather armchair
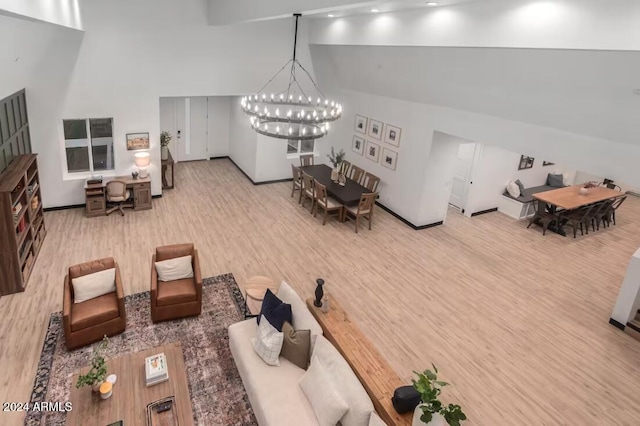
<point x="180" y="298"/>
<point x="89" y="321"/>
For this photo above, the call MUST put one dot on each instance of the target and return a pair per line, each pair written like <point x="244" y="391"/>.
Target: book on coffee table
<point x="155" y="369"/>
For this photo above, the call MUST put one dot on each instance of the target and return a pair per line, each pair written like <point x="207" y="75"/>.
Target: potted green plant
<point x="336" y="159"/>
<point x="98" y="371"/>
<point x="431" y="410"/>
<point x="165" y="138"/>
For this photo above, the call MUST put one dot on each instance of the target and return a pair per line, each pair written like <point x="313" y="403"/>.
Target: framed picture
<point x="358" y="145"/>
<point x="389" y="158"/>
<point x="375" y="129"/>
<point x="547" y="163"/>
<point x="526" y="162"/>
<point x="361" y="124"/>
<point x="392" y="134"/>
<point x="137" y="141"/>
<point x="372" y="151"/>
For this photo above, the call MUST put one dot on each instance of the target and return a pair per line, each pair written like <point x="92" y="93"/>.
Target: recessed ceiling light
<point x="330" y="15"/>
<point x="375" y="10"/>
<point x="432" y="3"/>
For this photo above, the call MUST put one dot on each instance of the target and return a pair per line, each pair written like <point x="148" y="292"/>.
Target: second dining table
<point x="348" y="195"/>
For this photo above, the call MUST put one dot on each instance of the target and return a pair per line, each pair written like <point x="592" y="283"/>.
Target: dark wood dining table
<point x="349" y="194"/>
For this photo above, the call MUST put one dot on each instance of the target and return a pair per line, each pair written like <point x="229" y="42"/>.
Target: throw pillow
<point x="268" y="343"/>
<point x="175" y="269"/>
<point x="327" y="404"/>
<point x="555" y="181"/>
<point x="302" y="319"/>
<point x="520" y="186"/>
<point x="93" y="285"/>
<point x="513" y="190"/>
<point x="296" y="346"/>
<point x="274" y="310"/>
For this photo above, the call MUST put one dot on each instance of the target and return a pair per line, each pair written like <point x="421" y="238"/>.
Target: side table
<point x="254" y="292"/>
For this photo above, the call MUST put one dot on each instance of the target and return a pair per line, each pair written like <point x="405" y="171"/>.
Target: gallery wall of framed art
<point x="369" y="134"/>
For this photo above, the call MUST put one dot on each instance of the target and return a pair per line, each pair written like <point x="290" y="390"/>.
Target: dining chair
<point x="306" y="160"/>
<point x="364" y="208"/>
<point x="344" y="167"/>
<point x="118" y="193"/>
<point x="599" y="214"/>
<point x="356" y="173"/>
<point x="307" y="190"/>
<point x="610" y="214"/>
<point x="542" y="215"/>
<point x="577" y="218"/>
<point x="328" y="204"/>
<point x="297" y="181"/>
<point x="370" y="182"/>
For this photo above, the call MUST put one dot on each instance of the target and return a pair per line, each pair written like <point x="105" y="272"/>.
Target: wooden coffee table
<point x="130" y="394"/>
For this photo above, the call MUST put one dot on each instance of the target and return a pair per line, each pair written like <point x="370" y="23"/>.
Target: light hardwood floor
<point x="515" y="321"/>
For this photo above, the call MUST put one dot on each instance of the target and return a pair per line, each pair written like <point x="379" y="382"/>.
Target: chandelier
<point x="293" y="112"/>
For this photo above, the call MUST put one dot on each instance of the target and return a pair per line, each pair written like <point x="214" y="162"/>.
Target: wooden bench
<point x="375" y="374"/>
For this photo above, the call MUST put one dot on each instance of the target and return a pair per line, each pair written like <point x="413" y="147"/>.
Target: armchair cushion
<point x="93" y="285"/>
<point x="93" y="312"/>
<point x="173" y="251"/>
<point x="174" y="269"/>
<point x="175" y="292"/>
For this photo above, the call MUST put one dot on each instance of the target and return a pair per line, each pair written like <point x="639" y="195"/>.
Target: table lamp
<point x="142" y="161"/>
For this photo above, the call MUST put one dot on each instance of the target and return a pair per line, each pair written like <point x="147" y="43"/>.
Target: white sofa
<point x="275" y="393"/>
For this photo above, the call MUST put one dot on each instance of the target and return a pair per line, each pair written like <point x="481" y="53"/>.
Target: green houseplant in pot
<point x="165" y="138"/>
<point x="98" y="371"/>
<point x="431" y="410"/>
<point x="336" y="159"/>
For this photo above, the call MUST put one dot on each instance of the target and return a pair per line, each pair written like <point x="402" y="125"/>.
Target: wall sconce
<point x="142" y="161"/>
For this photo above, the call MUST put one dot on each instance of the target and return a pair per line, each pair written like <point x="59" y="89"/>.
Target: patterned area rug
<point x="217" y="394"/>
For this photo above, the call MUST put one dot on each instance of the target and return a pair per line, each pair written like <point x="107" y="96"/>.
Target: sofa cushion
<point x="296" y="346"/>
<point x="375" y="420"/>
<point x="268" y="343"/>
<point x="175" y="292"/>
<point x="175" y="269"/>
<point x="513" y="189"/>
<point x="286" y="407"/>
<point x="93" y="285"/>
<point x="555" y="180"/>
<point x="321" y="390"/>
<point x="301" y="318"/>
<point x="95" y="311"/>
<point x="351" y="390"/>
<point x="274" y="310"/>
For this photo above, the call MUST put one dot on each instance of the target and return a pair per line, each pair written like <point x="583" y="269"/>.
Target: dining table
<point x="571" y="198"/>
<point x="348" y="195"/>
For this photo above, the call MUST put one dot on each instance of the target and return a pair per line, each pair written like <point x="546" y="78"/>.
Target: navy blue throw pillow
<point x="275" y="310"/>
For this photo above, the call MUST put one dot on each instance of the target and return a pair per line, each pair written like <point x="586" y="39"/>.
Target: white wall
<point x="60" y="12"/>
<point x="567" y="24"/>
<point x="243" y="141"/>
<point x="219" y="122"/>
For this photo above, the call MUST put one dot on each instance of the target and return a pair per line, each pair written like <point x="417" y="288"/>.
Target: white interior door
<point x="191" y="124"/>
<point x="461" y="175"/>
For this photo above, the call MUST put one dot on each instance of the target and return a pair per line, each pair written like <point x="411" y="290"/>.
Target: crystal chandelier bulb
<point x="272" y="97"/>
<point x="289" y="113"/>
<point x="299" y="98"/>
<point x="290" y="130"/>
<point x="278" y="112"/>
<point x="304" y="130"/>
<point x="278" y="129"/>
<point x="290" y="97"/>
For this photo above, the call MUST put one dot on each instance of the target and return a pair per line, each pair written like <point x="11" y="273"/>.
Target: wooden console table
<point x="166" y="164"/>
<point x="96" y="195"/>
<point x="375" y="374"/>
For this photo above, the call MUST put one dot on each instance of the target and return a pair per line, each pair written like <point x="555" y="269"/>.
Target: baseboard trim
<point x="221" y="157"/>
<point x="264" y="182"/>
<point x="74" y="206"/>
<point x="405" y="221"/>
<point x="616" y="324"/>
<point x="631" y="326"/>
<point x="157" y="196"/>
<point x="495" y="209"/>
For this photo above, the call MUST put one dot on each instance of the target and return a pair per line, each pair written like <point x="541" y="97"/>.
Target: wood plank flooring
<point x="515" y="321"/>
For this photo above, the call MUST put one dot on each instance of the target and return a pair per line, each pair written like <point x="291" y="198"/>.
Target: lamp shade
<point x="142" y="159"/>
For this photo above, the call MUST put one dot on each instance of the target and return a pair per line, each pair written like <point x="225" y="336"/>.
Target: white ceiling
<point x="579" y="91"/>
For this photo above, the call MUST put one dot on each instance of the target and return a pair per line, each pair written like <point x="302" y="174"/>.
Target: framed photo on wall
<point x="357" y="145"/>
<point x="389" y="158"/>
<point x="375" y="129"/>
<point x="361" y="124"/>
<point x="392" y="134"/>
<point x="526" y="162"/>
<point x="372" y="151"/>
<point x="547" y="163"/>
<point x="137" y="141"/>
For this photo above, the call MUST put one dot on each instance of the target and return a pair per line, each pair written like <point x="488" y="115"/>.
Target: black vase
<point x="319" y="292"/>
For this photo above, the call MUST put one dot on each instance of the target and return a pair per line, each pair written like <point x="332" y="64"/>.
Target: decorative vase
<point x="583" y="190"/>
<point x="342" y="179"/>
<point x="164" y="152"/>
<point x="335" y="173"/>
<point x="96" y="386"/>
<point x="325" y="304"/>
<point x="319" y="292"/>
<point x="436" y="420"/>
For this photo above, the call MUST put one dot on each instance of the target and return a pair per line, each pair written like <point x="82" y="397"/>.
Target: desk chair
<point x="117" y="192"/>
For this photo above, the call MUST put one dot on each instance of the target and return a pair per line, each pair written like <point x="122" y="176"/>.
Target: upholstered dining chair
<point x="364" y="208"/>
<point x="297" y="180"/>
<point x="344" y="167"/>
<point x="306" y="160"/>
<point x="325" y="202"/>
<point x="89" y="320"/>
<point x="356" y="173"/>
<point x="180" y="297"/>
<point x="370" y="181"/>
<point x="118" y="193"/>
<point x="308" y="190"/>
